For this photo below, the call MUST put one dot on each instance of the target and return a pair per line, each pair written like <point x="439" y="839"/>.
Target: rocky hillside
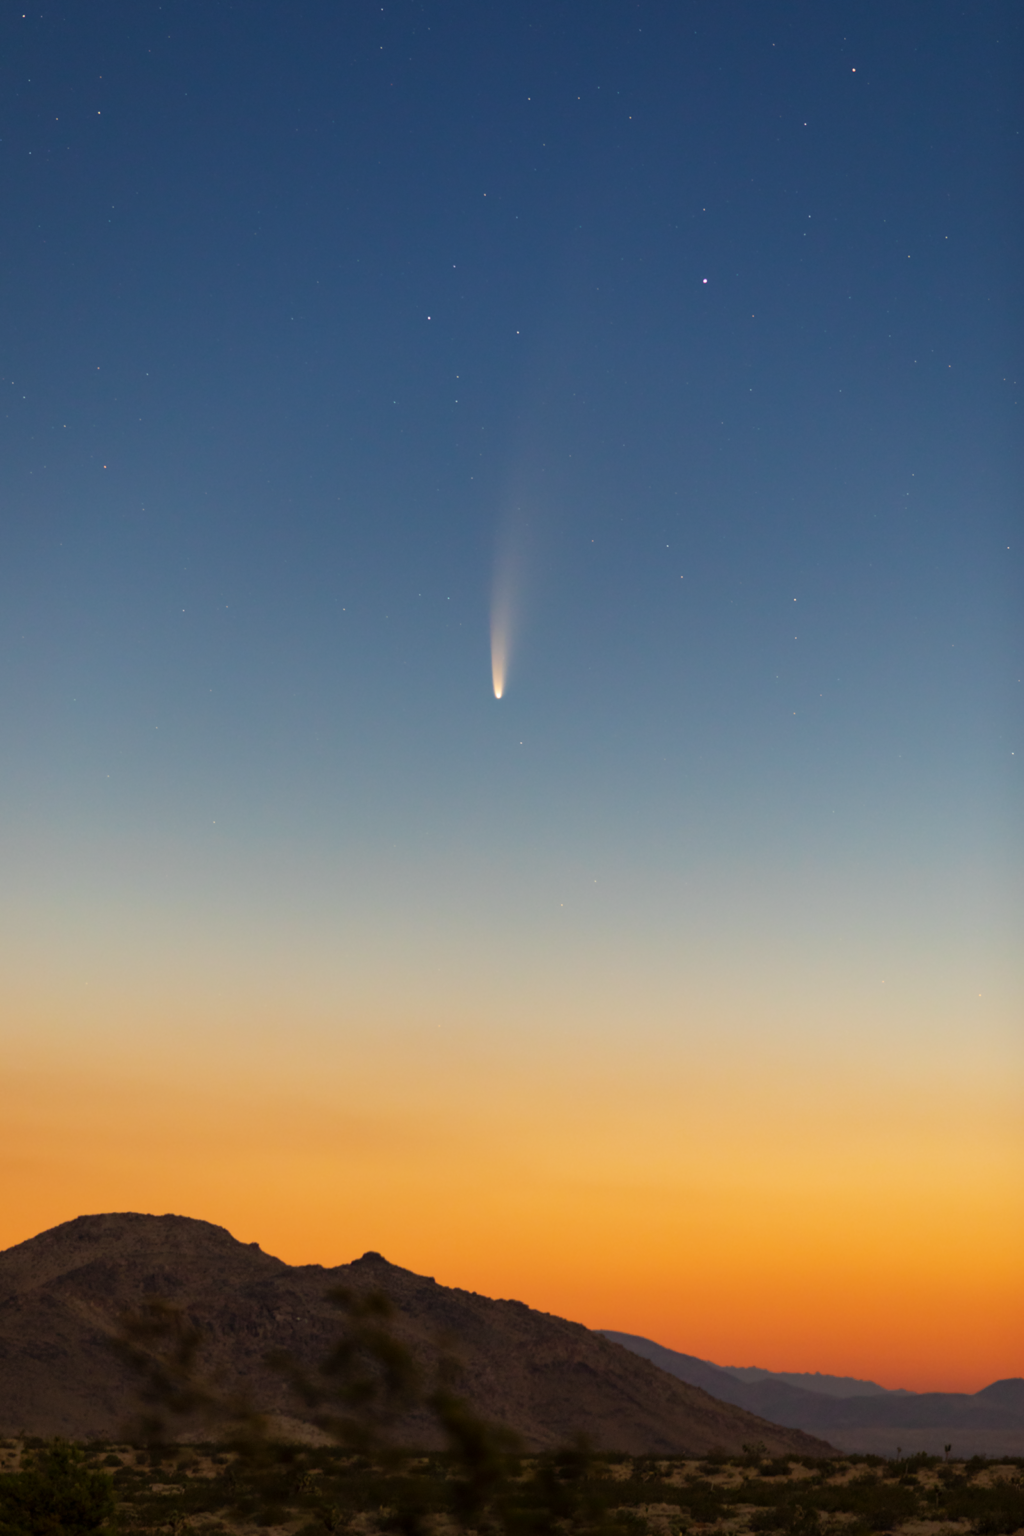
<point x="63" y="1295"/>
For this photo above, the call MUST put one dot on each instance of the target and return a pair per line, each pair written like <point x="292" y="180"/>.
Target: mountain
<point x="817" y="1381"/>
<point x="699" y="1373"/>
<point x="989" y="1422"/>
<point x="63" y="1294"/>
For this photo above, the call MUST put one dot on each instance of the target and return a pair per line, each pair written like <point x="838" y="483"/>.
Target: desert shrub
<point x="714" y="1461"/>
<point x="560" y="1490"/>
<point x="766" y="1520"/>
<point x="646" y="1469"/>
<point x="877" y="1506"/>
<point x="272" y="1514"/>
<point x="919" y="1462"/>
<point x="991" y="1510"/>
<point x="626" y="1523"/>
<point x="998" y="1523"/>
<point x="56" y="1494"/>
<point x="790" y="1517"/>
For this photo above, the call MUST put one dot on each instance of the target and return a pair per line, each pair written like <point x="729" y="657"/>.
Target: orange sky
<point x="750" y="1203"/>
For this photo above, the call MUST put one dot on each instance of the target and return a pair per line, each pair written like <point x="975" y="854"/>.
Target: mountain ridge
<point x="817" y="1381"/>
<point x="64" y="1293"/>
<point x="994" y="1416"/>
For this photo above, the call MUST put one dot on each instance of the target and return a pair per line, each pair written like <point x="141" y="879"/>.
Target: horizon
<point x="510" y="652"/>
<point x="595" y="1328"/>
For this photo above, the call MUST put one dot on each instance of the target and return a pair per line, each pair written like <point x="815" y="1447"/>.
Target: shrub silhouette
<point x="56" y="1494"/>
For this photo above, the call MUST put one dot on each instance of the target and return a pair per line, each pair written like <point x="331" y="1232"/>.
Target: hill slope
<point x="63" y="1293"/>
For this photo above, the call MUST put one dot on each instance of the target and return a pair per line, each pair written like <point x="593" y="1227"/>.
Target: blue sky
<point x="697" y="327"/>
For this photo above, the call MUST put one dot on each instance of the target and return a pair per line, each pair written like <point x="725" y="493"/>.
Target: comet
<point x="508" y="591"/>
<point x="508" y="562"/>
<point x="501" y="636"/>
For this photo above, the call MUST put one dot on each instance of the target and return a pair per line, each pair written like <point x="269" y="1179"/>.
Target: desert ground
<point x="301" y="1490"/>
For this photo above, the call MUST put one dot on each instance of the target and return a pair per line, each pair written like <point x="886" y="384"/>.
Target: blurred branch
<point x="160" y="1345"/>
<point x="368" y="1381"/>
<point x="360" y="1394"/>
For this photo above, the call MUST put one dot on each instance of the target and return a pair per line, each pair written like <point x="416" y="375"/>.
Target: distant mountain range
<point x="857" y="1415"/>
<point x="816" y="1381"/>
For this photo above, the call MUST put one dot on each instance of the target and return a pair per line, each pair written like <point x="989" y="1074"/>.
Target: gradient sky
<point x="680" y="991"/>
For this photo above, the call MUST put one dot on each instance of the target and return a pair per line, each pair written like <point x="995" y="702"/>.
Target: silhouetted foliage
<point x="56" y="1494"/>
<point x="359" y="1393"/>
<point x="162" y="1346"/>
<point x="367" y="1381"/>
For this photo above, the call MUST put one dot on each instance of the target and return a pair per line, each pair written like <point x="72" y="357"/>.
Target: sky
<point x="655" y="366"/>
